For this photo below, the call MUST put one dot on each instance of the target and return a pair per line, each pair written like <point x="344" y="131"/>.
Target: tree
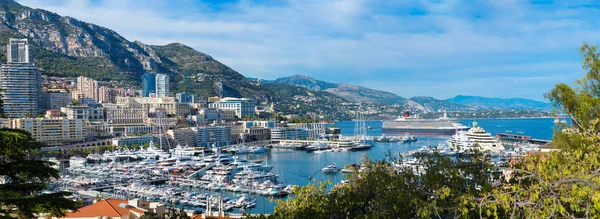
<point x="443" y="187"/>
<point x="20" y="195"/>
<point x="564" y="183"/>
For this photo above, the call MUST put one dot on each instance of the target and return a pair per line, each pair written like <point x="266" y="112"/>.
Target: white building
<point x="162" y="85"/>
<point x="183" y="137"/>
<point x="169" y="104"/>
<point x="20" y="82"/>
<point x="216" y="136"/>
<point x="53" y="131"/>
<point x="88" y="87"/>
<point x="242" y="106"/>
<point x="17" y="51"/>
<point x="124" y="115"/>
<point x="83" y="111"/>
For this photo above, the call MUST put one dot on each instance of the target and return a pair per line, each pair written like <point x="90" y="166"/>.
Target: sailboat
<point x="319" y="144"/>
<point x="360" y="130"/>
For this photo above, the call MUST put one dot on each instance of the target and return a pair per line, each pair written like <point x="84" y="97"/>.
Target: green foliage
<point x="21" y="195"/>
<point x="446" y="188"/>
<point x="560" y="184"/>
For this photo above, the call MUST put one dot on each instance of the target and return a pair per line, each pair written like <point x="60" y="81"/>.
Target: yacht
<point x="219" y="158"/>
<point x="55" y="163"/>
<point x="317" y="146"/>
<point x="331" y="168"/>
<point x="476" y="138"/>
<point x="77" y="161"/>
<point x="185" y="151"/>
<point x="360" y="132"/>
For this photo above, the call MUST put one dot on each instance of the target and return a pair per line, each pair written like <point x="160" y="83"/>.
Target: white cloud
<point x="364" y="42"/>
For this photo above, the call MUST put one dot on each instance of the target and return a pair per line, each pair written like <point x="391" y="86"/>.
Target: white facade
<point x="169" y="104"/>
<point x="212" y="136"/>
<point x="21" y="88"/>
<point x="83" y="111"/>
<point x="162" y="85"/>
<point x="53" y="131"/>
<point x="88" y="87"/>
<point x="17" y="51"/>
<point x="242" y="106"/>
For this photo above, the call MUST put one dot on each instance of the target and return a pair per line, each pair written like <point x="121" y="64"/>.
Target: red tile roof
<point x="104" y="208"/>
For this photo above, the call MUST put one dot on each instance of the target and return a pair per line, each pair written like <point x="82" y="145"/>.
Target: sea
<point x="303" y="168"/>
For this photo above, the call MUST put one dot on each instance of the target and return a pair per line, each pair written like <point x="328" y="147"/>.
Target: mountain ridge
<point x="501" y="103"/>
<point x="358" y="94"/>
<point x="65" y="46"/>
<point x="424" y="103"/>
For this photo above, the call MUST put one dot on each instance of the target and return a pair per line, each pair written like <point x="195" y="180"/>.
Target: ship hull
<point x="416" y="131"/>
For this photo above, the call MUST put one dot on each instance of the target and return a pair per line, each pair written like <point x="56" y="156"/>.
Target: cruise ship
<point x="416" y="125"/>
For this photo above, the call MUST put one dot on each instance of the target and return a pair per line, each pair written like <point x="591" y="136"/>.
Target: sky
<point x="498" y="48"/>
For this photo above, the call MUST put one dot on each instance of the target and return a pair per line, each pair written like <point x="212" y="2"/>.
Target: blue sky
<point x="499" y="48"/>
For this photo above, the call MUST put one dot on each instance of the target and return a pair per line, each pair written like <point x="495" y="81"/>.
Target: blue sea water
<point x="302" y="168"/>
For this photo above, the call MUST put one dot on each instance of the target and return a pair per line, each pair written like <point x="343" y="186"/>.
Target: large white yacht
<point x="475" y="138"/>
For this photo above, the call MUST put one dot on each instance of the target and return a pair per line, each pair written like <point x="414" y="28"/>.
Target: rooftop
<point x="105" y="208"/>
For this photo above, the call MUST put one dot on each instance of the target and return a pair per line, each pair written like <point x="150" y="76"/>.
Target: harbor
<point x="191" y="182"/>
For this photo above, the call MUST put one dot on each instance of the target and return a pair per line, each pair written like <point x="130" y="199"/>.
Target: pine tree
<point x="24" y="179"/>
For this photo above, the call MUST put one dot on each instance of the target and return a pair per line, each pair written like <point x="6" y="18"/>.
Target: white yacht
<point x="77" y="161"/>
<point x="185" y="151"/>
<point x="317" y="146"/>
<point x="331" y="168"/>
<point x="476" y="138"/>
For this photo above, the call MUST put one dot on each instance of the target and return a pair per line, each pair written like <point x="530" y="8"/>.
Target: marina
<point x="190" y="181"/>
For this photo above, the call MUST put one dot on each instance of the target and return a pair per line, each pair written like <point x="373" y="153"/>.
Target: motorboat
<point x="331" y="168"/>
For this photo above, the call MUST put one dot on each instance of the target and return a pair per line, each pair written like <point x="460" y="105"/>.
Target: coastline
<point x="509" y="118"/>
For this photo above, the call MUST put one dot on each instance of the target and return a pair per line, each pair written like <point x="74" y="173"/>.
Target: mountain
<point x="64" y="46"/>
<point x="430" y="104"/>
<point x="501" y="104"/>
<point x="347" y="91"/>
<point x="306" y="82"/>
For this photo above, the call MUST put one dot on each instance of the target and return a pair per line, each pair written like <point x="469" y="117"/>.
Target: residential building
<point x="21" y="88"/>
<point x="17" y="51"/>
<point x="184" y="137"/>
<point x="117" y="208"/>
<point x="162" y="85"/>
<point x="56" y="100"/>
<point x="132" y="140"/>
<point x="212" y="136"/>
<point x="53" y="131"/>
<point x="76" y="94"/>
<point x="148" y="84"/>
<point x="83" y="111"/>
<point x="88" y="87"/>
<point x="107" y="95"/>
<point x="242" y="106"/>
